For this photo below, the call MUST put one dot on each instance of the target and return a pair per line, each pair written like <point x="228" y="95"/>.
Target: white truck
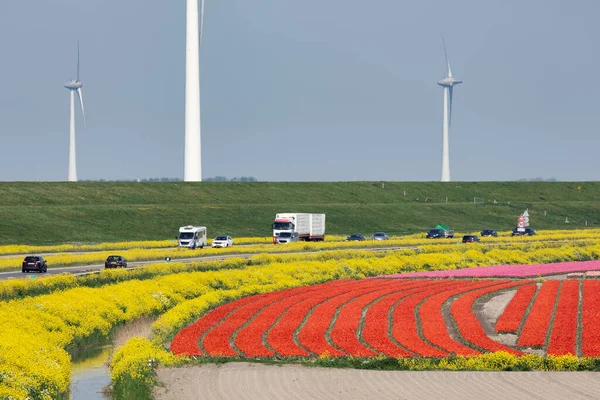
<point x="192" y="236"/>
<point x="310" y="227"/>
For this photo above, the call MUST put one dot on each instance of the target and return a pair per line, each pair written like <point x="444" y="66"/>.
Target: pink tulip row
<point x="504" y="271"/>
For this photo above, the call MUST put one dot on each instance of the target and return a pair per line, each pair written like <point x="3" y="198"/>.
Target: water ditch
<point x="90" y="373"/>
<point x="90" y="376"/>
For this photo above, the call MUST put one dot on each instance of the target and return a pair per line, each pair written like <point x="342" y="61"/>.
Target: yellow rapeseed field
<point x="510" y="254"/>
<point x="36" y="331"/>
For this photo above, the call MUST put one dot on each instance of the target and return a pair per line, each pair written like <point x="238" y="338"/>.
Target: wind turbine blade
<point x="80" y="95"/>
<point x="447" y="59"/>
<point x="77" y="60"/>
<point x="201" y="17"/>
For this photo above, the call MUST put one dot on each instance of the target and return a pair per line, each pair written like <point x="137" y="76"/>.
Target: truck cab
<point x="192" y="237"/>
<point x="284" y="224"/>
<point x="308" y="227"/>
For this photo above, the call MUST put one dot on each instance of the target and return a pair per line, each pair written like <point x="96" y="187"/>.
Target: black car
<point x="356" y="236"/>
<point x="34" y="263"/>
<point x="489" y="233"/>
<point x="115" y="262"/>
<point x="524" y="232"/>
<point x="437" y="233"/>
<point x="470" y="239"/>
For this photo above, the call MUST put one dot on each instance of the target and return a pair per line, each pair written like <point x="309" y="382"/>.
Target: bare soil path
<point x="233" y="381"/>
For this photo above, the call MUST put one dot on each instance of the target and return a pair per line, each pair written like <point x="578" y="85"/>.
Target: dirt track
<point x="246" y="381"/>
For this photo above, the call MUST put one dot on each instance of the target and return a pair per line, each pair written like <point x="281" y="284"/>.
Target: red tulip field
<point x="401" y="318"/>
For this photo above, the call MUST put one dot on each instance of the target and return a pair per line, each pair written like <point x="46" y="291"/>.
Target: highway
<point x="86" y="269"/>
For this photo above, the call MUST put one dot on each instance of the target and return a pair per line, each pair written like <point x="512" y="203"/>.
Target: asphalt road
<point x="86" y="269"/>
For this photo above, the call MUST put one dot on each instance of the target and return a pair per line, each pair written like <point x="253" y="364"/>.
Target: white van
<point x="192" y="236"/>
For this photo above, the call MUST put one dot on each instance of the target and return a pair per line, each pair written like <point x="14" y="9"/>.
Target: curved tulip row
<point x="538" y="320"/>
<point x="359" y="318"/>
<point x="552" y="318"/>
<point x="563" y="338"/>
<point x="590" y="311"/>
<point x="510" y="320"/>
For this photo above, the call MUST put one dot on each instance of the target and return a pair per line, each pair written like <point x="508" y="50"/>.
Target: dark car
<point x="523" y="232"/>
<point x="470" y="239"/>
<point x="380" y="236"/>
<point x="34" y="263"/>
<point x="489" y="233"/>
<point x="356" y="236"/>
<point x="115" y="262"/>
<point x="437" y="233"/>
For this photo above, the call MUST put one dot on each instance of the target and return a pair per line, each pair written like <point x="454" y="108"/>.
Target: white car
<point x="222" y="241"/>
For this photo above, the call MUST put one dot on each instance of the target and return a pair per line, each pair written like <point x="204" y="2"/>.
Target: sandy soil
<point x="246" y="381"/>
<point x="494" y="307"/>
<point x="140" y="327"/>
<point x="488" y="313"/>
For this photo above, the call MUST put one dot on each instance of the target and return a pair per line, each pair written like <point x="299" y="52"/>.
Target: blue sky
<point x="304" y="91"/>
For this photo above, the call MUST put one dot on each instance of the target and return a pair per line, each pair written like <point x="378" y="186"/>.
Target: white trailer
<point x="317" y="227"/>
<point x="310" y="227"/>
<point x="192" y="236"/>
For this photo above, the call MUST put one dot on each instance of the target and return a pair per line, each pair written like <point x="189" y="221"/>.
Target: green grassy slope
<point x="44" y="213"/>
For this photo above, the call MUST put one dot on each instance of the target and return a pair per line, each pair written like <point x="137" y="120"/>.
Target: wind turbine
<point x="193" y="153"/>
<point x="448" y="84"/>
<point x="74" y="86"/>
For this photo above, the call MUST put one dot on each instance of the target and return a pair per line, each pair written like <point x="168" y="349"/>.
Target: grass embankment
<point x="46" y="213"/>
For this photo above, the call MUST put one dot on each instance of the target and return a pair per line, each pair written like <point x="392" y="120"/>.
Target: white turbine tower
<point x="193" y="153"/>
<point x="74" y="86"/>
<point x="448" y="84"/>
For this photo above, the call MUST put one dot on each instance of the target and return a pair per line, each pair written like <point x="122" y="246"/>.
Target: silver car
<point x="380" y="236"/>
<point x="288" y="237"/>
